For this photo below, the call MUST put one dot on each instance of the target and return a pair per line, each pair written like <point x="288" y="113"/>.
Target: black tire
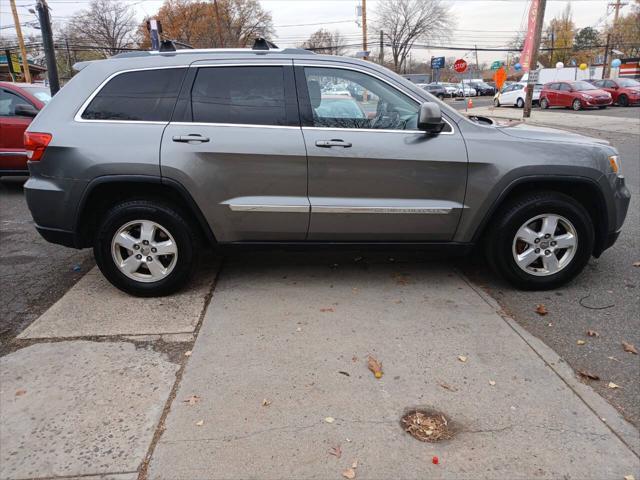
<point x="544" y="103"/>
<point x="576" y="105"/>
<point x="509" y="219"/>
<point x="496" y="102"/>
<point x="520" y="103"/>
<point x="623" y="100"/>
<point x="186" y="236"/>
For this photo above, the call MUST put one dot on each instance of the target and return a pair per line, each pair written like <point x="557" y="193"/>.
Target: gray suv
<point x="148" y="157"/>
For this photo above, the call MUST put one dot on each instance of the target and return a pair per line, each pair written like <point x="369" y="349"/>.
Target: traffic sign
<point x="497" y="64"/>
<point x="460" y="66"/>
<point x="533" y="77"/>
<point x="437" y="62"/>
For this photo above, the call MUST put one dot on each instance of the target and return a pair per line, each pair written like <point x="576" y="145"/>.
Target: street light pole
<point x="23" y="49"/>
<point x="533" y="61"/>
<point x="47" y="42"/>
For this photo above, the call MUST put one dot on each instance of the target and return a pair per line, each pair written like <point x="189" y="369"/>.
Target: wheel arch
<point x="584" y="190"/>
<point x="102" y="192"/>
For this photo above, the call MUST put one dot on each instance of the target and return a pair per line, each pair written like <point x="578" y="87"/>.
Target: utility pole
<point x="533" y="61"/>
<point x="605" y="63"/>
<point x="617" y="5"/>
<point x="23" y="49"/>
<point x="219" y="24"/>
<point x="477" y="63"/>
<point x="364" y="29"/>
<point x="47" y="42"/>
<point x="381" y="52"/>
<point x="553" y="51"/>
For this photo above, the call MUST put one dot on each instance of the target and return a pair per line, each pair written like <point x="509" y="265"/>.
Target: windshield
<point x="628" y="82"/>
<point x="581" y="86"/>
<point x="537" y="87"/>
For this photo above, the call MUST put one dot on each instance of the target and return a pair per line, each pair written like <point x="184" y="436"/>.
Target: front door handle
<point x="334" y="142"/>
<point x="192" y="137"/>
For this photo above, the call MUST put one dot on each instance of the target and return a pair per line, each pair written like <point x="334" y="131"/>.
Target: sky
<point x="478" y="22"/>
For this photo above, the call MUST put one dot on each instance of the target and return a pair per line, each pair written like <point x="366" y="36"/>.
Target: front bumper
<point x="618" y="208"/>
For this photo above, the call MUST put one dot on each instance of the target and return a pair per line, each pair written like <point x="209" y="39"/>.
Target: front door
<point x="235" y="143"/>
<point x="372" y="175"/>
<point x="13" y="156"/>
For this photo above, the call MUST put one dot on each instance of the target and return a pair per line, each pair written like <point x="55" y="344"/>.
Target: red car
<point x="624" y="91"/>
<point x="19" y="103"/>
<point x="576" y="95"/>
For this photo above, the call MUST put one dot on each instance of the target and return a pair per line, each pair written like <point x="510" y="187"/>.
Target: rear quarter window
<point x="146" y="95"/>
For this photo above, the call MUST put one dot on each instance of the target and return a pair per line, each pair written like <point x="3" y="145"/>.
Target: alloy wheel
<point x="544" y="245"/>
<point x="144" y="251"/>
<point x="520" y="103"/>
<point x="576" y="105"/>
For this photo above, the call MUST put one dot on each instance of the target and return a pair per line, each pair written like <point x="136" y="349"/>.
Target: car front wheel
<point x="520" y="103"/>
<point x="146" y="248"/>
<point x="544" y="103"/>
<point x="540" y="241"/>
<point x="496" y="102"/>
<point x="576" y="105"/>
<point x="623" y="101"/>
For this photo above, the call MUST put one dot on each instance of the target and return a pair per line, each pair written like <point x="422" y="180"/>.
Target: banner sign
<point x="527" y="50"/>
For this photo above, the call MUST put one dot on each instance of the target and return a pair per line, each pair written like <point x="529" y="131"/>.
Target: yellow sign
<point x="15" y="63"/>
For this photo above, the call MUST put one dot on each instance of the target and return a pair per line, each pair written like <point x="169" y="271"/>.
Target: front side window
<point x="599" y="83"/>
<point x="8" y="103"/>
<point x="348" y="99"/>
<point x="240" y="95"/>
<point x="146" y="95"/>
<point x="582" y="86"/>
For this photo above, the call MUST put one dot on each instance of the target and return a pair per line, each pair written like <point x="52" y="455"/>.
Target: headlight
<point x="589" y="97"/>
<point x="614" y="162"/>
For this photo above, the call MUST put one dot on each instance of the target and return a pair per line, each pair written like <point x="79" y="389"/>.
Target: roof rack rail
<point x="263" y="44"/>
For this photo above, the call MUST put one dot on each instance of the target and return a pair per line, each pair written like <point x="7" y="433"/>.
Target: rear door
<point x="373" y="176"/>
<point x="13" y="156"/>
<point x="565" y="97"/>
<point x="236" y="145"/>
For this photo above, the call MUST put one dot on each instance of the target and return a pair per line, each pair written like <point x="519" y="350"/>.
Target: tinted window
<point x="609" y="84"/>
<point x="565" y="87"/>
<point x="368" y="103"/>
<point x="8" y="102"/>
<point x="628" y="82"/>
<point x="599" y="83"/>
<point x="581" y="86"/>
<point x="241" y="95"/>
<point x="147" y="95"/>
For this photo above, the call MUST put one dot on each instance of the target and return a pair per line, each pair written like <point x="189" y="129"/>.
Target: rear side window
<point x="146" y="95"/>
<point x="240" y="95"/>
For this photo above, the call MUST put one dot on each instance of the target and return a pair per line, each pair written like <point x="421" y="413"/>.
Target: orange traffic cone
<point x="470" y="103"/>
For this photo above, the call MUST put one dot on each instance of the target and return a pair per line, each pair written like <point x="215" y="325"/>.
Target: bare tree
<point x="243" y="21"/>
<point x="405" y="22"/>
<point x="326" y="42"/>
<point x="107" y="26"/>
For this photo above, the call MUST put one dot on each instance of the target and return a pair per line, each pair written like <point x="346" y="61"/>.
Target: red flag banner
<point x="527" y="50"/>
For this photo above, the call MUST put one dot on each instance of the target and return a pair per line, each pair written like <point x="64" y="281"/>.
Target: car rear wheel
<point x="540" y="241"/>
<point x="520" y="103"/>
<point x="623" y="101"/>
<point x="146" y="248"/>
<point x="576" y="105"/>
<point x="544" y="103"/>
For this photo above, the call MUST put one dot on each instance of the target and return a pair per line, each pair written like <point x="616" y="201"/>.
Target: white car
<point x="515" y="93"/>
<point x="466" y="91"/>
<point x="451" y="89"/>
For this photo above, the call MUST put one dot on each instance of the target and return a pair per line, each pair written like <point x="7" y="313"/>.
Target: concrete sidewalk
<point x="565" y="120"/>
<point x="297" y="332"/>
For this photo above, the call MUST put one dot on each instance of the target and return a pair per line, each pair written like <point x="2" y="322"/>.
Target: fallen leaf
<point x="20" y="392"/>
<point x="199" y="423"/>
<point x="354" y="359"/>
<point x="349" y="473"/>
<point x="581" y="342"/>
<point x="613" y="385"/>
<point x="299" y="329"/>
<point x="329" y="419"/>
<point x="629" y="477"/>
<point x="354" y="465"/>
<point x="324" y="310"/>
<point x="630" y="348"/>
<point x="492" y="382"/>
<point x="593" y="333"/>
<point x="335" y="451"/>
<point x="613" y="358"/>
<point x="342" y="372"/>
<point x="589" y="375"/>
<point x="266" y="403"/>
<point x="192" y="400"/>
<point x="435" y="460"/>
<point x="187" y="353"/>
<point x="448" y="387"/>
<point x="636" y="264"/>
<point x="375" y="366"/>
<point x="462" y="358"/>
<point x="541" y="309"/>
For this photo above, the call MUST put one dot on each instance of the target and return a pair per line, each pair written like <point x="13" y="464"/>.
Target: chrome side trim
<point x="13" y="154"/>
<point x="371" y="74"/>
<point x="238" y="125"/>
<point x="380" y="209"/>
<point x="270" y="208"/>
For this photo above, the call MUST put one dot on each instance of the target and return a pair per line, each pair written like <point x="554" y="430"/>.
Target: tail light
<point x="35" y="144"/>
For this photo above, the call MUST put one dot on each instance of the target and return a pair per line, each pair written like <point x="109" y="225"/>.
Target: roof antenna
<point x="263" y="44"/>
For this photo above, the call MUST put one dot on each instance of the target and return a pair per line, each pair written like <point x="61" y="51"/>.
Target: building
<point x="38" y="72"/>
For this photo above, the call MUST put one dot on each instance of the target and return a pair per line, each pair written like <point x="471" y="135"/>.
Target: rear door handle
<point x="192" y="137"/>
<point x="334" y="142"/>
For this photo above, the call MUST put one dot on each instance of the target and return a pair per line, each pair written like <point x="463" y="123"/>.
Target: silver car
<point x="149" y="158"/>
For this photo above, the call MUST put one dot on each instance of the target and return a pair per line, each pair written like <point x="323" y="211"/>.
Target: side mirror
<point x="430" y="118"/>
<point x="25" y="110"/>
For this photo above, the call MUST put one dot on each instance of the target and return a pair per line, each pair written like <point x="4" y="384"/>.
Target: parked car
<point x="483" y="88"/>
<point x="623" y="91"/>
<point x="515" y="95"/>
<point x="576" y="95"/>
<point x="19" y="103"/>
<point x="436" y="90"/>
<point x="451" y="89"/>
<point x="466" y="90"/>
<point x="149" y="158"/>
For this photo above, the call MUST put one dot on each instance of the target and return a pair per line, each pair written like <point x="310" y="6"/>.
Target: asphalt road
<point x="604" y="298"/>
<point x="614" y="111"/>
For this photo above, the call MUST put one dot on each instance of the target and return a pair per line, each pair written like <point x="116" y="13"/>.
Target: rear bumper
<point x="60" y="237"/>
